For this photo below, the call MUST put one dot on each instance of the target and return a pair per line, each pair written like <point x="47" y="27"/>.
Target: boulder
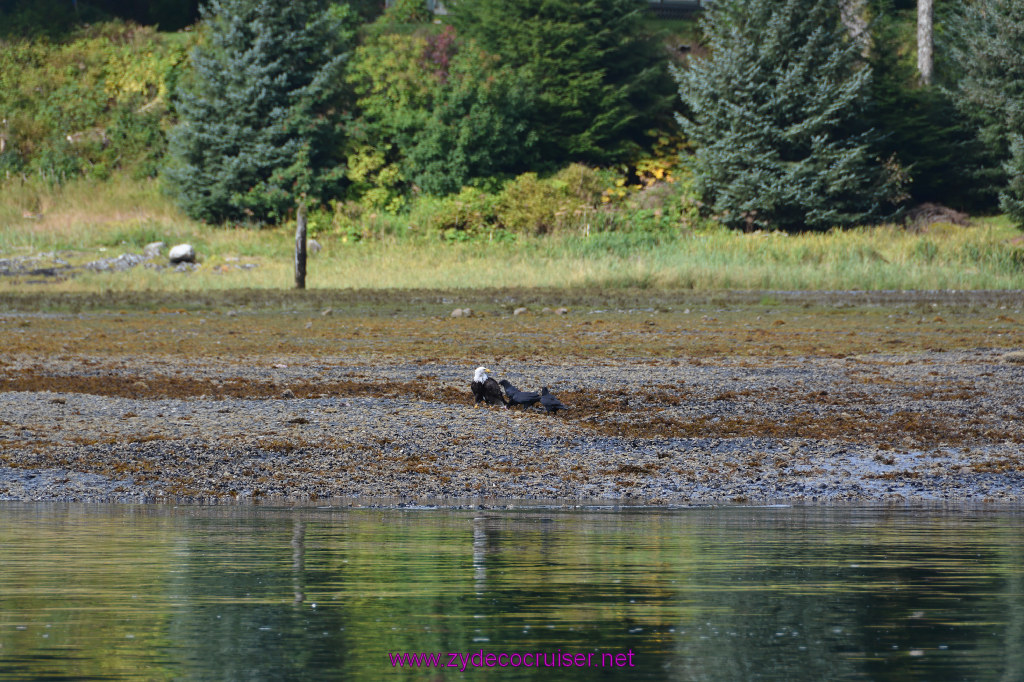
<point x="182" y="253"/>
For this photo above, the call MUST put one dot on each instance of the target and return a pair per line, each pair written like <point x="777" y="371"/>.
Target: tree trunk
<point x="925" y="22"/>
<point x="852" y="15"/>
<point x="300" y="246"/>
<point x="851" y="12"/>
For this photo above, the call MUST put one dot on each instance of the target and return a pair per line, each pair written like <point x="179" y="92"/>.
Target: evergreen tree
<point x="602" y="82"/>
<point x="988" y="43"/>
<point x="256" y="121"/>
<point x="933" y="142"/>
<point x="774" y="113"/>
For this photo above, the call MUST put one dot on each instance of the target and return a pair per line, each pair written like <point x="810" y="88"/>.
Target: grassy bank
<point x="88" y="220"/>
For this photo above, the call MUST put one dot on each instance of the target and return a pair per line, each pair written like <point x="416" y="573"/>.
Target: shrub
<point x="91" y="104"/>
<point x="470" y="213"/>
<point x="406" y="12"/>
<point x="435" y="114"/>
<point x="532" y="205"/>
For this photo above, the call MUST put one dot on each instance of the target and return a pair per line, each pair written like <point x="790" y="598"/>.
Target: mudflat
<point x="674" y="397"/>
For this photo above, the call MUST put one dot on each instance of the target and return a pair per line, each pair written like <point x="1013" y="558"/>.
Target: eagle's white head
<point x="480" y="375"/>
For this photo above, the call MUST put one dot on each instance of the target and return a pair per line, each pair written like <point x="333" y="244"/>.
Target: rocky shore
<point x="642" y="428"/>
<point x="705" y="435"/>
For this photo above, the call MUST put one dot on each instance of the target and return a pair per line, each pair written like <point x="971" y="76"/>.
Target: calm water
<point x="241" y="593"/>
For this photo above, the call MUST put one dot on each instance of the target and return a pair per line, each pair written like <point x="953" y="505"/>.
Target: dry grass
<point x="90" y="220"/>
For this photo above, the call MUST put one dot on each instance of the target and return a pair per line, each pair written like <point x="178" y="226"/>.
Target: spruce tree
<point x="922" y="129"/>
<point x="775" y="115"/>
<point x="256" y="126"/>
<point x="602" y="81"/>
<point x="988" y="45"/>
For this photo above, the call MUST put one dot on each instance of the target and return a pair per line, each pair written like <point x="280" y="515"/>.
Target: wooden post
<point x="300" y="245"/>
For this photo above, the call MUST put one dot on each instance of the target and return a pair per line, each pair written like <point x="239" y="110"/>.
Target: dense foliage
<point x="91" y="105"/>
<point x="602" y="81"/>
<point x="989" y="45"/>
<point x="776" y="112"/>
<point x="473" y="125"/>
<point x="933" y="143"/>
<point x="435" y="114"/>
<point x="256" y="127"/>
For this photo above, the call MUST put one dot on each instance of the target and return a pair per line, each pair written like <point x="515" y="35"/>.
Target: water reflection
<point x="103" y="592"/>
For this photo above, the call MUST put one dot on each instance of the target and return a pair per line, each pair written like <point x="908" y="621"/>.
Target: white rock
<point x="182" y="253"/>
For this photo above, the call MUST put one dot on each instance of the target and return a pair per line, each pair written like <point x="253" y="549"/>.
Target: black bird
<point x="549" y="402"/>
<point x="486" y="389"/>
<point x="517" y="397"/>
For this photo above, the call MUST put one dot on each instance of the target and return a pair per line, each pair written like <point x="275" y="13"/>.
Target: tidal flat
<point x="676" y="398"/>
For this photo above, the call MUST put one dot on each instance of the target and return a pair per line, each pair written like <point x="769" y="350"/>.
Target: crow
<point x="549" y="402"/>
<point x="486" y="389"/>
<point x="517" y="397"/>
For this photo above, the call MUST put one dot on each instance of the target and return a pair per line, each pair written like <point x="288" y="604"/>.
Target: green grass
<point x="88" y="219"/>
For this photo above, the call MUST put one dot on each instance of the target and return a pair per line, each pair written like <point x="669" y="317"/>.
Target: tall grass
<point x="95" y="219"/>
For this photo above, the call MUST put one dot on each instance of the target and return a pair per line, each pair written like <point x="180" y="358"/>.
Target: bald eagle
<point x="549" y="402"/>
<point x="486" y="389"/>
<point x="517" y="397"/>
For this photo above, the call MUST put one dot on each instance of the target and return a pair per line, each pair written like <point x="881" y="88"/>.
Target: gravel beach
<point x="354" y="416"/>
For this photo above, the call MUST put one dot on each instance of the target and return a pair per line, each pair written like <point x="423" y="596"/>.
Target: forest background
<point x="769" y="145"/>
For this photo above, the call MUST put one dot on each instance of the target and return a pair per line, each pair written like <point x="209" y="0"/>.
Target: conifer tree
<point x="988" y="44"/>
<point x="933" y="142"/>
<point x="256" y="128"/>
<point x="602" y="82"/>
<point x="775" y="115"/>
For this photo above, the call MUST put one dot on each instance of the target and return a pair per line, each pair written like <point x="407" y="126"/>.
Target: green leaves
<point x="437" y="114"/>
<point x="90" y="105"/>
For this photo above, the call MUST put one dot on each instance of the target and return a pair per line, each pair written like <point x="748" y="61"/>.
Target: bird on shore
<point x="517" y="397"/>
<point x="486" y="389"/>
<point x="549" y="402"/>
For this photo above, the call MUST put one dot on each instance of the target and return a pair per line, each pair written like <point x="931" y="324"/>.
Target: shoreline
<point x="749" y="402"/>
<point x="715" y="447"/>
